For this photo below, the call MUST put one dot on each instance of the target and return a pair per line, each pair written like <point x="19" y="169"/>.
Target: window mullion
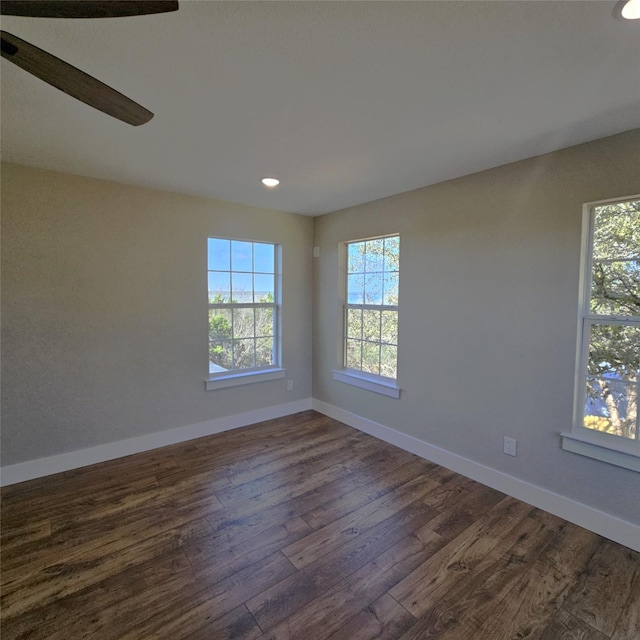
<point x="623" y="321"/>
<point x="372" y="307"/>
<point x="638" y="408"/>
<point x="612" y="260"/>
<point x="380" y="339"/>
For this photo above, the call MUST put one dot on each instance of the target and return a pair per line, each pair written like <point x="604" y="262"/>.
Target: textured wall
<point x="104" y="310"/>
<point x="487" y="314"/>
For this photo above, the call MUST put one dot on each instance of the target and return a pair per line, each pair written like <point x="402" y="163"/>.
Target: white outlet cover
<point x="510" y="446"/>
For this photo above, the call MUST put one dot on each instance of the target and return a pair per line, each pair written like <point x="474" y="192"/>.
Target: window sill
<point x="599" y="447"/>
<point x="377" y="384"/>
<point x="247" y="377"/>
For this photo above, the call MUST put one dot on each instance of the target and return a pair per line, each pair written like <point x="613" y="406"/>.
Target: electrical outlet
<point x="289" y="385"/>
<point x="510" y="446"/>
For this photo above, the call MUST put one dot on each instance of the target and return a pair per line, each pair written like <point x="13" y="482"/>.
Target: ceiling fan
<point x="64" y="76"/>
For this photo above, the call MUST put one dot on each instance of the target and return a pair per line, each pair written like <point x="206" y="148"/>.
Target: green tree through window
<point x="611" y="320"/>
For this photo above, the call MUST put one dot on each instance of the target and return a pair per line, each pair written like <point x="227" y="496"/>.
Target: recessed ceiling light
<point x="270" y="182"/>
<point x="631" y="10"/>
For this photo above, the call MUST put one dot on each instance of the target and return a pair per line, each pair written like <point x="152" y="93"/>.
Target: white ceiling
<point x="345" y="102"/>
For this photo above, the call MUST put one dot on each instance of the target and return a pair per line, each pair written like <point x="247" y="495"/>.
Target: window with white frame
<point x="371" y="309"/>
<point x="243" y="309"/>
<point x="609" y="364"/>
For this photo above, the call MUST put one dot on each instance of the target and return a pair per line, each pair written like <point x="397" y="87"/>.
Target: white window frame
<point x="249" y="375"/>
<point x="371" y="382"/>
<point x="607" y="447"/>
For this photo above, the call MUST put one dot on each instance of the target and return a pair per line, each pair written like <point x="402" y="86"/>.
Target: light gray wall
<point x="104" y="326"/>
<point x="488" y="304"/>
<point x="104" y="310"/>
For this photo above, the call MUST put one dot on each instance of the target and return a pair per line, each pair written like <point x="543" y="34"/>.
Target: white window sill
<point x="244" y="377"/>
<point x="377" y="384"/>
<point x="599" y="446"/>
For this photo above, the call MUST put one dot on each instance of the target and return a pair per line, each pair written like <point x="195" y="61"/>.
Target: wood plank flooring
<point x="299" y="528"/>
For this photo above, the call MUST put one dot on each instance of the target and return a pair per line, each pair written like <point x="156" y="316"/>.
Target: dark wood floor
<point x="300" y="529"/>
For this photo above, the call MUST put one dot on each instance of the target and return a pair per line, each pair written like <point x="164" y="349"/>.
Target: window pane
<point x="371" y="357"/>
<point x="220" y="324"/>
<point x="613" y="371"/>
<point x="263" y="288"/>
<point x="355" y="289"/>
<point x="243" y="354"/>
<point x="354" y="323"/>
<point x="611" y="407"/>
<point x="614" y="351"/>
<point x="392" y="253"/>
<point x="615" y="287"/>
<point x="263" y="258"/>
<point x="264" y="352"/>
<point x="242" y="287"/>
<point x="219" y="254"/>
<point x="243" y="323"/>
<point x="264" y="322"/>
<point x="390" y="327"/>
<point x="220" y="358"/>
<point x="219" y="287"/>
<point x="241" y="256"/>
<point x="390" y="288"/>
<point x="374" y="258"/>
<point x="355" y="257"/>
<point x="388" y="361"/>
<point x="371" y="325"/>
<point x="353" y="356"/>
<point x="373" y="288"/>
<point x="616" y="232"/>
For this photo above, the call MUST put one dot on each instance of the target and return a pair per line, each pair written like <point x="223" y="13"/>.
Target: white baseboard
<point x="606" y="525"/>
<point x="74" y="459"/>
<point x="599" y="522"/>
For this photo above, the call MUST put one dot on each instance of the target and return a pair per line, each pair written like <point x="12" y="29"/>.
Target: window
<point x="609" y="363"/>
<point x="243" y="309"/>
<point x="371" y="313"/>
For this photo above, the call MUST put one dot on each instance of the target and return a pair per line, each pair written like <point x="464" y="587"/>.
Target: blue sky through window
<point x="240" y="271"/>
<point x="219" y="254"/>
<point x="263" y="258"/>
<point x="372" y="267"/>
<point x="241" y="258"/>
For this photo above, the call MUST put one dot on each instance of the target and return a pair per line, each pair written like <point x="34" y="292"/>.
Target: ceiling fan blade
<point x="85" y="8"/>
<point x="72" y="81"/>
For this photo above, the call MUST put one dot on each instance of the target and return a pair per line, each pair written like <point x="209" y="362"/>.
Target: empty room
<point x="320" y="320"/>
